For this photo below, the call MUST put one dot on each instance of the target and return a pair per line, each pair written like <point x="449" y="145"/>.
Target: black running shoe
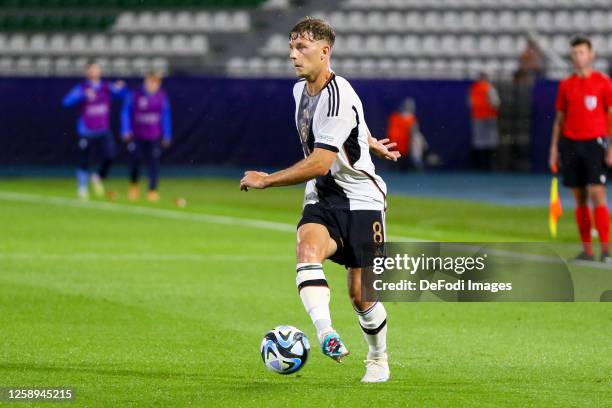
<point x="583" y="256"/>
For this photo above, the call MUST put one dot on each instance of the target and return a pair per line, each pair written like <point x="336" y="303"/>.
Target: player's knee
<point x="309" y="252"/>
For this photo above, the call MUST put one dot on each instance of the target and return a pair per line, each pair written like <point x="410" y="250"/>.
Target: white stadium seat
<point x="17" y="43"/>
<point x="38" y="44"/>
<point x="126" y="21"/>
<point x="98" y="44"/>
<point x="179" y="45"/>
<point x="78" y="44"/>
<point x="139" y="45"/>
<point x="118" y="44"/>
<point x="203" y="21"/>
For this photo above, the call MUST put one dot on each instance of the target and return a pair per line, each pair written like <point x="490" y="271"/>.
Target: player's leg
<point x="153" y="152"/>
<point x="314" y="245"/>
<point x="366" y="239"/>
<point x="583" y="221"/>
<point x="373" y="322"/>
<point x="134" y="151"/>
<point x="83" y="168"/>
<point x="106" y="150"/>
<point x="597" y="178"/>
<point x="597" y="194"/>
<point x="575" y="176"/>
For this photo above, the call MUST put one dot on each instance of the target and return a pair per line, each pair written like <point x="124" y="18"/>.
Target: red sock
<point x="583" y="219"/>
<point x="602" y="223"/>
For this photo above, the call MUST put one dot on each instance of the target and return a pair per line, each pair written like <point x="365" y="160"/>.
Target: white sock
<point x="373" y="322"/>
<point x="314" y="292"/>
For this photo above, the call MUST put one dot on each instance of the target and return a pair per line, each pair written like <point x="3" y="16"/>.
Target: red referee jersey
<point x="585" y="103"/>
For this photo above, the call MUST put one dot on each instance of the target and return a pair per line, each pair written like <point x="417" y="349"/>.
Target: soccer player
<point x="94" y="96"/>
<point x="146" y="128"/>
<point x="344" y="201"/>
<point x="579" y="144"/>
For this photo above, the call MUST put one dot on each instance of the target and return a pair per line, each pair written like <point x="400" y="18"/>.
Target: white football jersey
<point x="333" y="120"/>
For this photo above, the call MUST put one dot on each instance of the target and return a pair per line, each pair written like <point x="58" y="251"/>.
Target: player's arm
<point x="73" y="97"/>
<point x="561" y="106"/>
<point x="316" y="164"/>
<point x="126" y="118"/>
<point x="553" y="158"/>
<point x="166" y="123"/>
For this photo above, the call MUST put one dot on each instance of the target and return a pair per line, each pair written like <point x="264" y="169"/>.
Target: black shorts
<point x="583" y="162"/>
<point x="359" y="234"/>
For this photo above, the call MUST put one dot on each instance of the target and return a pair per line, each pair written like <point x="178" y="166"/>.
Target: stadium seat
<point x="139" y="45"/>
<point x="118" y="44"/>
<point x="179" y="45"/>
<point x="374" y="45"/>
<point x="469" y="21"/>
<point x="163" y="21"/>
<point x="98" y="44"/>
<point x="487" y="45"/>
<point x="6" y="65"/>
<point x="38" y="44"/>
<point x="17" y="43"/>
<point x="449" y="45"/>
<point x="414" y="21"/>
<point x="140" y="65"/>
<point x="198" y="44"/>
<point x="394" y="45"/>
<point x="120" y="66"/>
<point x="395" y="21"/>
<point x="368" y="66"/>
<point x="160" y="65"/>
<point x="78" y="45"/>
<point x="236" y="65"/>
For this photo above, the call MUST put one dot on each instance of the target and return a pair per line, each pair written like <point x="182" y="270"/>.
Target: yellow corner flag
<point x="555" y="209"/>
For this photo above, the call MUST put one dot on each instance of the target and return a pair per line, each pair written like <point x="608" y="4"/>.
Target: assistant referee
<point x="580" y="144"/>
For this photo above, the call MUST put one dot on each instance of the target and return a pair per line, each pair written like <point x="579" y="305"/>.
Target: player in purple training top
<point x="94" y="96"/>
<point x="146" y="128"/>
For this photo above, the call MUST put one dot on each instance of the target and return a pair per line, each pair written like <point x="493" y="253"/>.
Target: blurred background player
<point x="484" y="102"/>
<point x="146" y="128"/>
<point x="94" y="96"/>
<point x="579" y="143"/>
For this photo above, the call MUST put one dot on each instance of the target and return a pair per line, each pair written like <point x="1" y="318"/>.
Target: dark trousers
<point x="101" y="147"/>
<point x="150" y="152"/>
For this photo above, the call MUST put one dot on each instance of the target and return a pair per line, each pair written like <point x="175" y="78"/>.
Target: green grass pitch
<point x="151" y="305"/>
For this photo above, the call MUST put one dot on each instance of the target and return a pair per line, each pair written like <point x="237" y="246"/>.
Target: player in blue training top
<point x="94" y="97"/>
<point x="146" y="127"/>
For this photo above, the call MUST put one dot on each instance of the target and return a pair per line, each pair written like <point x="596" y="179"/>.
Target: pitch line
<point x="95" y="256"/>
<point x="216" y="219"/>
<point x="160" y="213"/>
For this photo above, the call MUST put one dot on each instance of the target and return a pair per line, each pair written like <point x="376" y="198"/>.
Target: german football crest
<point x="590" y="102"/>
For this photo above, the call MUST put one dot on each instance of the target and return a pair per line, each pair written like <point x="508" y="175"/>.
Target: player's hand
<point x="165" y="143"/>
<point x="253" y="179"/>
<point x="119" y="84"/>
<point x="126" y="137"/>
<point x="553" y="160"/>
<point x="383" y="148"/>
